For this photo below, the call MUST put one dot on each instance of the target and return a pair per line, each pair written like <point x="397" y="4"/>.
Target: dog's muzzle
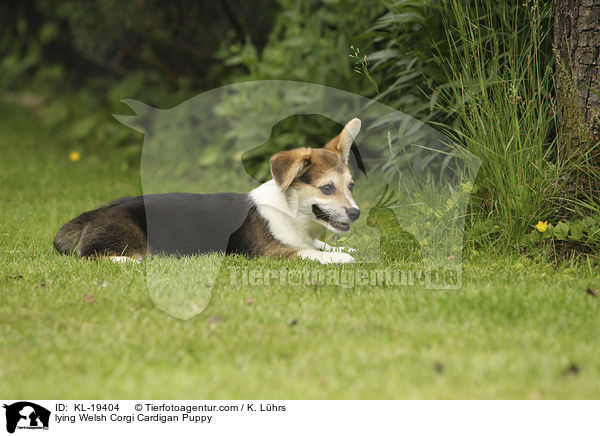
<point x="320" y="214"/>
<point x="353" y="213"/>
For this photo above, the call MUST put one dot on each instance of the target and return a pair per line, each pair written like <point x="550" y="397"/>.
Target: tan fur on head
<point x="342" y="143"/>
<point x="286" y="166"/>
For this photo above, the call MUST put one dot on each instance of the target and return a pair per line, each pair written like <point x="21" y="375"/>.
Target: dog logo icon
<point x="26" y="415"/>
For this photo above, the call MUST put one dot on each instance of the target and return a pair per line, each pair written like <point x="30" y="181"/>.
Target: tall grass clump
<point x="498" y="96"/>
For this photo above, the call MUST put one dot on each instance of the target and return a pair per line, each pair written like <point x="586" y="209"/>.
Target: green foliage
<point x="399" y="51"/>
<point x="309" y="42"/>
<point x="21" y="45"/>
<point x="71" y="62"/>
<point x="172" y="45"/>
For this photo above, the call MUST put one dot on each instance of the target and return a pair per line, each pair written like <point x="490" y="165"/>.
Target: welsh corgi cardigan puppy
<point x="311" y="191"/>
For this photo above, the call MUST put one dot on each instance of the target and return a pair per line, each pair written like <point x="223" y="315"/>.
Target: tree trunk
<point x="577" y="44"/>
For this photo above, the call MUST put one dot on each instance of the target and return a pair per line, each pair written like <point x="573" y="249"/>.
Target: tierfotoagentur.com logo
<point x="25" y="415"/>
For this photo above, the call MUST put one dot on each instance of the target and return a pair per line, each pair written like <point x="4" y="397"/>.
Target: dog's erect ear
<point x="343" y="141"/>
<point x="286" y="166"/>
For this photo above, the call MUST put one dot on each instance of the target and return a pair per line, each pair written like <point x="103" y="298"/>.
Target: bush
<point x="482" y="73"/>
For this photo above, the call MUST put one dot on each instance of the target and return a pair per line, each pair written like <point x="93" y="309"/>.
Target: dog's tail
<point x="67" y="238"/>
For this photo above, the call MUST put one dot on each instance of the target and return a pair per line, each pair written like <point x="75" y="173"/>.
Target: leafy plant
<point x="581" y="232"/>
<point x="398" y="57"/>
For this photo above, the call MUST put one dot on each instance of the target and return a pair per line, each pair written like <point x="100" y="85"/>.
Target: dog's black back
<point x="174" y="224"/>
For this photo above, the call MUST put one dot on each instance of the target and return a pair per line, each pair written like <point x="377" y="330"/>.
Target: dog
<point x="311" y="190"/>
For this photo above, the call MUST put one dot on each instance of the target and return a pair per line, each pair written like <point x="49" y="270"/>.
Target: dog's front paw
<point x="325" y="256"/>
<point x="334" y="257"/>
<point x="123" y="259"/>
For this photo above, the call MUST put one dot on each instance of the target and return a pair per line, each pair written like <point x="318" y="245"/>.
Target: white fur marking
<point x="324" y="257"/>
<point x="352" y="127"/>
<point x="320" y="245"/>
<point x="347" y="136"/>
<point x="123" y="259"/>
<point x="351" y="201"/>
<point x="286" y="225"/>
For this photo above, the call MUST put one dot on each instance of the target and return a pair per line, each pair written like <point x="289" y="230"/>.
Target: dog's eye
<point x="351" y="186"/>
<point x="327" y="189"/>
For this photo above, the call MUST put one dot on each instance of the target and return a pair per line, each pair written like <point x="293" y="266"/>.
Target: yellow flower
<point x="74" y="156"/>
<point x="542" y="226"/>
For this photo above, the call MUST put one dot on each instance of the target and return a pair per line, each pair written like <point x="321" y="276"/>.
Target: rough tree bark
<point x="577" y="45"/>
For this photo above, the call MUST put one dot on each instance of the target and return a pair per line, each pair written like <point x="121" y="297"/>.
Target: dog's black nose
<point x="353" y="213"/>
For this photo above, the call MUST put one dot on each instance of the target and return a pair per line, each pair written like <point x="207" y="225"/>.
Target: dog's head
<point x="321" y="179"/>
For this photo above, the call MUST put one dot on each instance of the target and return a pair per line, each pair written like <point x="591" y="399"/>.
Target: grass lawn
<point x="73" y="328"/>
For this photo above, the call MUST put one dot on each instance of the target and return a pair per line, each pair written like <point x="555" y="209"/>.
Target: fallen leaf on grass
<point x="215" y="318"/>
<point x="89" y="298"/>
<point x="573" y="369"/>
